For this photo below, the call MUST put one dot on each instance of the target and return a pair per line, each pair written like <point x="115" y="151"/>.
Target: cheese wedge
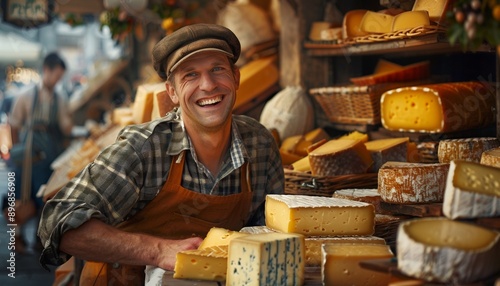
<point x="217" y="236"/>
<point x="341" y="264"/>
<point x="384" y="150"/>
<point x="436" y="108"/>
<point x="436" y="8"/>
<point x="202" y="264"/>
<point x="376" y="23"/>
<point x="161" y="104"/>
<point x="370" y="196"/>
<point x="384" y="66"/>
<point x="316" y="135"/>
<point x="468" y="149"/>
<point x="410" y="183"/>
<point x="302" y="165"/>
<point x="340" y="157"/>
<point x="318" y="216"/>
<point x="356" y="135"/>
<point x="410" y="19"/>
<point x="351" y="24"/>
<point x="472" y="191"/>
<point x="119" y="113"/>
<point x="143" y="101"/>
<point x="447" y="251"/>
<point x="491" y="157"/>
<point x="266" y="259"/>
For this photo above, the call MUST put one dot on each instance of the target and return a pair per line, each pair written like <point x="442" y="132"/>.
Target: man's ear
<point x="237" y="77"/>
<point x="171" y="92"/>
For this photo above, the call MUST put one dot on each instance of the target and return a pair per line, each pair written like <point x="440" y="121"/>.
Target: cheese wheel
<point x="410" y="183"/>
<point x="491" y="157"/>
<point x="437" y="108"/>
<point x="351" y="23"/>
<point x="410" y="19"/>
<point x="436" y="9"/>
<point x="376" y="23"/>
<point x="370" y="196"/>
<point x="468" y="149"/>
<point x="447" y="251"/>
<point x="340" y="157"/>
<point x="472" y="191"/>
<point x="390" y="149"/>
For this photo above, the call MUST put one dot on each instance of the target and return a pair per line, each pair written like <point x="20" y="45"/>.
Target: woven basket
<point x="303" y="183"/>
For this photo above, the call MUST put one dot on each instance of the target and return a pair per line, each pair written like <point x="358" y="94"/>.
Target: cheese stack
<point x="468" y="149"/>
<point x="384" y="150"/>
<point x="491" y="157"/>
<point x="202" y="264"/>
<point x="472" y="191"/>
<point x="447" y="251"/>
<point x="410" y="183"/>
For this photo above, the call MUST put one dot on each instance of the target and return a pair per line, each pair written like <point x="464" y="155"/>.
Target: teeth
<point x="214" y="100"/>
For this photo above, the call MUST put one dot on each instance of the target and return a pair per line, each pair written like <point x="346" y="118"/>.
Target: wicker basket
<point x="303" y="183"/>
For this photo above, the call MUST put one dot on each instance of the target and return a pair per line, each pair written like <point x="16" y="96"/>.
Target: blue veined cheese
<point x="266" y="259"/>
<point x="319" y="216"/>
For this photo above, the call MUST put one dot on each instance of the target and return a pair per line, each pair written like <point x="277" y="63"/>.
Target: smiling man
<point x="163" y="184"/>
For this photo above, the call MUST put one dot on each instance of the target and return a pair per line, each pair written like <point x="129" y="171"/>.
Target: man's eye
<point x="218" y="69"/>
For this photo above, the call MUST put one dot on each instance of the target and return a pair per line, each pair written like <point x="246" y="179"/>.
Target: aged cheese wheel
<point x="472" y="190"/>
<point x="340" y="157"/>
<point x="469" y="149"/>
<point x="444" y="107"/>
<point x="370" y="196"/>
<point x="351" y="23"/>
<point x="410" y="183"/>
<point x="447" y="251"/>
<point x="491" y="157"/>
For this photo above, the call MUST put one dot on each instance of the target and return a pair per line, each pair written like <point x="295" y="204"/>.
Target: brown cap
<point x="173" y="49"/>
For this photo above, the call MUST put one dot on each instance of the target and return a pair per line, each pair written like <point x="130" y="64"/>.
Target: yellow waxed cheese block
<point x="266" y="259"/>
<point x="491" y="157"/>
<point x="410" y="183"/>
<point x="319" y="216"/>
<point x="356" y="135"/>
<point x="341" y="264"/>
<point x="376" y="23"/>
<point x="447" y="251"/>
<point x="410" y="19"/>
<point x="351" y="24"/>
<point x="472" y="190"/>
<point x="436" y="108"/>
<point x="143" y="102"/>
<point x="468" y="149"/>
<point x="217" y="236"/>
<point x="340" y="157"/>
<point x="202" y="264"/>
<point x="390" y="149"/>
<point x="436" y="8"/>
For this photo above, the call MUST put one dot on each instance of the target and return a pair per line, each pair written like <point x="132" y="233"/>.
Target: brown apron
<point x="175" y="213"/>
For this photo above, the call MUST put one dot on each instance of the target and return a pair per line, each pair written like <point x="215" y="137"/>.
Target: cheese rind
<point x="217" y="236"/>
<point x="469" y="149"/>
<point x="410" y="19"/>
<point x="436" y="8"/>
<point x="266" y="259"/>
<point x="447" y="251"/>
<point x="491" y="157"/>
<point x="351" y="24"/>
<point x="203" y="264"/>
<point x="319" y="216"/>
<point x="370" y="196"/>
<point x="472" y="191"/>
<point x="390" y="149"/>
<point x="409" y="183"/>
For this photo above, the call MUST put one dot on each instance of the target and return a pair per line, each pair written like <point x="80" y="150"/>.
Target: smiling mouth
<point x="209" y="101"/>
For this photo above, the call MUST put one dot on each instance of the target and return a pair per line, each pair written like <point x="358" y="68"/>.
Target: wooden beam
<point x="79" y="6"/>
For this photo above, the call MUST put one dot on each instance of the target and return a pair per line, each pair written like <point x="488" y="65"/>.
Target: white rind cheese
<point x="370" y="196"/>
<point x="491" y="157"/>
<point x="472" y="191"/>
<point x="447" y="251"/>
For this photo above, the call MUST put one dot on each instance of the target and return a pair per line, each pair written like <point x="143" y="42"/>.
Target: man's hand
<point x="169" y="249"/>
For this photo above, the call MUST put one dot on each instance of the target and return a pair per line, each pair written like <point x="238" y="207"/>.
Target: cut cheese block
<point x="472" y="191"/>
<point x="447" y="251"/>
<point x="376" y="23"/>
<point x="217" y="236"/>
<point x="256" y="229"/>
<point x="266" y="259"/>
<point x="339" y="157"/>
<point x="370" y="196"/>
<point x="355" y="135"/>
<point x="410" y="19"/>
<point x="319" y="216"/>
<point x="302" y="165"/>
<point x="351" y="24"/>
<point x="161" y="104"/>
<point x="119" y="113"/>
<point x="410" y="183"/>
<point x="341" y="264"/>
<point x="468" y="149"/>
<point x="384" y="150"/>
<point x="491" y="157"/>
<point x="435" y="108"/>
<point x="316" y="135"/>
<point x="436" y="8"/>
<point x="202" y="264"/>
<point x="143" y="101"/>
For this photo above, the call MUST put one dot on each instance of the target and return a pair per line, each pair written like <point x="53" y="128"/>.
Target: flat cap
<point x="173" y="49"/>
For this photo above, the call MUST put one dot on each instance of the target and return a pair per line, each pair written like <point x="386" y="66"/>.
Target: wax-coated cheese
<point x="351" y="24"/>
<point x="409" y="183"/>
<point x="370" y="196"/>
<point x="202" y="264"/>
<point x="340" y="157"/>
<point x="468" y="149"/>
<point x="390" y="149"/>
<point x="376" y="23"/>
<point x="447" y="251"/>
<point x="444" y="107"/>
<point x="266" y="259"/>
<point x="341" y="264"/>
<point x="410" y="19"/>
<point x="491" y="157"/>
<point x="472" y="190"/>
<point x="436" y="8"/>
<point x="316" y="216"/>
<point x="217" y="236"/>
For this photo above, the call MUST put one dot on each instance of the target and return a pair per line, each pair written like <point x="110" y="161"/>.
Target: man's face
<point x="205" y="87"/>
<point x="52" y="76"/>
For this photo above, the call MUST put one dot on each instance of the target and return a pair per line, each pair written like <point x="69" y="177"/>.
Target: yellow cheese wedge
<point x="436" y="8"/>
<point x="341" y="264"/>
<point x="468" y="149"/>
<point x="356" y="135"/>
<point x="340" y="157"/>
<point x="316" y="135"/>
<point x="288" y="158"/>
<point x="390" y="149"/>
<point x="447" y="251"/>
<point x="376" y="23"/>
<point x="491" y="157"/>
<point x="143" y="102"/>
<point x="202" y="264"/>
<point x="384" y="66"/>
<point x="319" y="216"/>
<point x="289" y="144"/>
<point x="351" y="24"/>
<point x="302" y="165"/>
<point x="217" y="236"/>
<point x="410" y="19"/>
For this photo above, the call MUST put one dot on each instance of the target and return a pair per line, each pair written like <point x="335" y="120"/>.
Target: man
<point x="164" y="184"/>
<point x="46" y="113"/>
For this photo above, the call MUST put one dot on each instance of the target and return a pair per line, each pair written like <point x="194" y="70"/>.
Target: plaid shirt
<point x="128" y="174"/>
